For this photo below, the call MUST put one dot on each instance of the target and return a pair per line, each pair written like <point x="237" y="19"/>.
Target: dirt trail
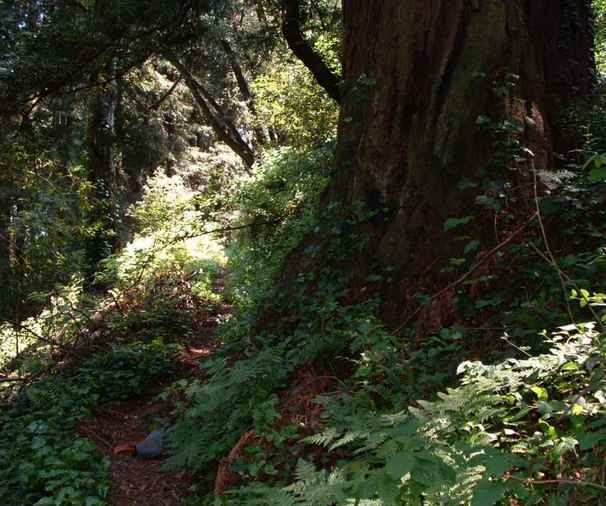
<point x="134" y="481"/>
<point x="117" y="426"/>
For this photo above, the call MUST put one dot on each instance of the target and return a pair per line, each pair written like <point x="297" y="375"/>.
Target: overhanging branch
<point x="226" y="131"/>
<point x="291" y="29"/>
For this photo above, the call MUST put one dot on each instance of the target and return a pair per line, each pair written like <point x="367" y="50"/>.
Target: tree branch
<point x="224" y="130"/>
<point x="157" y="105"/>
<point x="29" y="331"/>
<point x="244" y="89"/>
<point x="226" y="229"/>
<point x="291" y="29"/>
<point x="575" y="483"/>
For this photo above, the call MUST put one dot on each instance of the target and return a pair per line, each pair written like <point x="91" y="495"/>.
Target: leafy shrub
<point x="44" y="205"/>
<point x="528" y="429"/>
<point x="284" y="94"/>
<point x="279" y="201"/>
<point x="28" y="346"/>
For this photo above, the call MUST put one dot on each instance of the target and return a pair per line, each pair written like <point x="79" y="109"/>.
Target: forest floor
<point x="117" y="426"/>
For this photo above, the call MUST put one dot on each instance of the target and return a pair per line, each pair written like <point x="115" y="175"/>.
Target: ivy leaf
<point x="598" y="172"/>
<point x="576" y="410"/>
<point x="483" y="121"/>
<point x="495" y="463"/>
<point x="498" y="464"/>
<point x="567" y="444"/>
<point x="570" y="366"/>
<point x="488" y="493"/>
<point x="489" y="202"/>
<point x="400" y="465"/>
<point x="589" y="441"/>
<point x="472" y="246"/>
<point x="430" y="470"/>
<point x="388" y="490"/>
<point x="466" y="183"/>
<point x="540" y="392"/>
<point x="452" y="223"/>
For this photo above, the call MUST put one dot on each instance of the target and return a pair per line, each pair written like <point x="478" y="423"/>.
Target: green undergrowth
<point x="421" y="423"/>
<point x="505" y="431"/>
<point x="161" y="281"/>
<point x="277" y="203"/>
<point x="86" y="348"/>
<point x="506" y="405"/>
<point x="45" y="462"/>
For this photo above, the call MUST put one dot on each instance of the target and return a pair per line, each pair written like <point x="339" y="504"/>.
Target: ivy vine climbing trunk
<point x="417" y="76"/>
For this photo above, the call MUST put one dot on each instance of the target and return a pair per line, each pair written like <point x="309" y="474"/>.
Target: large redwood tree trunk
<point x="417" y="76"/>
<point x="430" y="69"/>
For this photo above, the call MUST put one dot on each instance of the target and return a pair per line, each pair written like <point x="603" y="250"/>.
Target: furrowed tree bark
<point x="413" y="141"/>
<point x="417" y="75"/>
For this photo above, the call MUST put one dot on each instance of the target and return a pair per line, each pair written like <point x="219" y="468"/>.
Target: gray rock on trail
<point x="151" y="447"/>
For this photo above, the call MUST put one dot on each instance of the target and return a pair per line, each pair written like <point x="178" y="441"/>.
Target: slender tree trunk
<point x="101" y="147"/>
<point x="212" y="112"/>
<point x="417" y="76"/>
<point x="63" y="125"/>
<point x="102" y="173"/>
<point x="17" y="241"/>
<point x="5" y="263"/>
<point x="260" y="133"/>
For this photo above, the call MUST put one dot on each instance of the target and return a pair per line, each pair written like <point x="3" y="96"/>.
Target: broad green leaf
<point x="589" y="441"/>
<point x="570" y="366"/>
<point x="598" y="173"/>
<point x="576" y="410"/>
<point x="472" y="246"/>
<point x="488" y="493"/>
<point x="489" y="202"/>
<point x="497" y="465"/>
<point x="465" y="183"/>
<point x="452" y="223"/>
<point x="389" y="490"/>
<point x="400" y="465"/>
<point x="540" y="392"/>
<point x="566" y="445"/>
<point x="483" y="120"/>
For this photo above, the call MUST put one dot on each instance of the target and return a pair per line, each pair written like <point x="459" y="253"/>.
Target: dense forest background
<point x="328" y="252"/>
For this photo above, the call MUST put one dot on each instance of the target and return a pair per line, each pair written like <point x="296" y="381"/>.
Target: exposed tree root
<point x="225" y="476"/>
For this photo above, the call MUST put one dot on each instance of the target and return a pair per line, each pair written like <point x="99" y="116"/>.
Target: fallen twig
<point x="226" y="463"/>
<point x="576" y="483"/>
<point x="550" y="255"/>
<point x="12" y="380"/>
<point x="30" y="331"/>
